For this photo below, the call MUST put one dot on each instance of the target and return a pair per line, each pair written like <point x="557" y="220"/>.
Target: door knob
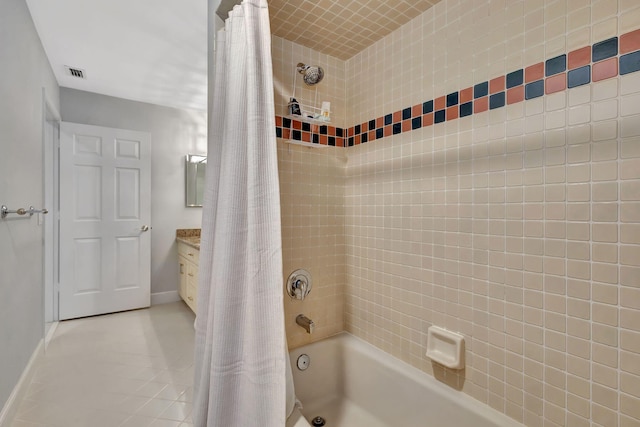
<point x="144" y="228"/>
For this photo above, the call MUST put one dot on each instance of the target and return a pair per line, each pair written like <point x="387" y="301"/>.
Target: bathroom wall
<point x="26" y="72"/>
<point x="517" y="226"/>
<point x="174" y="134"/>
<point x="312" y="195"/>
<point x="312" y="203"/>
<point x="286" y="55"/>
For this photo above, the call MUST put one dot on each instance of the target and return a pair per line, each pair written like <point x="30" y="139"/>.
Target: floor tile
<point x="125" y="369"/>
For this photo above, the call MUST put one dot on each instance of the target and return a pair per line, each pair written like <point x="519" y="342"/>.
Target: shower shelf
<point x="305" y="144"/>
<point x="308" y="120"/>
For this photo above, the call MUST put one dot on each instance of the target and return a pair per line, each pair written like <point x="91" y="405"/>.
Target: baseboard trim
<point x="17" y="395"/>
<point x="163" y="298"/>
<point x="49" y="337"/>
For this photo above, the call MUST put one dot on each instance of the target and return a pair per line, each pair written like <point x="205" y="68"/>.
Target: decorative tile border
<point x="603" y="60"/>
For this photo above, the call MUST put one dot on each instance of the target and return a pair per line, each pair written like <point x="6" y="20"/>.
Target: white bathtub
<point x="350" y="383"/>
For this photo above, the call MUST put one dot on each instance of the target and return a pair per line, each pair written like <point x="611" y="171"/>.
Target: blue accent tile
<point x="555" y="65"/>
<point x="452" y="99"/>
<point x="579" y="76"/>
<point x="286" y="123"/>
<point x="466" y="109"/>
<point x="372" y="124"/>
<point x="515" y="78"/>
<point x="534" y="89"/>
<point x="630" y="63"/>
<point x="480" y="90"/>
<point x="439" y="117"/>
<point x="297" y="135"/>
<point x="416" y="122"/>
<point x="388" y="119"/>
<point x="351" y="141"/>
<point x="604" y="49"/>
<point x="357" y="130"/>
<point x="364" y="138"/>
<point x="397" y="128"/>
<point x="339" y="132"/>
<point x="306" y="127"/>
<point x="316" y="138"/>
<point x="379" y="133"/>
<point x="332" y="141"/>
<point x="427" y="107"/>
<point x="406" y="113"/>
<point x="278" y="132"/>
<point x="496" y="100"/>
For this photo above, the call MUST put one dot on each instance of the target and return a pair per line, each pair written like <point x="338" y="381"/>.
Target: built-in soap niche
<point x="445" y="347"/>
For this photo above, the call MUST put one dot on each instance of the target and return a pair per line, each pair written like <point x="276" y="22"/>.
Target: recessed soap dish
<point x="445" y="347"/>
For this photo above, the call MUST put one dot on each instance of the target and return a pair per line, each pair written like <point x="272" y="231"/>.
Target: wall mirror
<point x="195" y="168"/>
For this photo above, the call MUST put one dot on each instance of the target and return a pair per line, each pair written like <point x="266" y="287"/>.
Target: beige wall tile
<point x="519" y="227"/>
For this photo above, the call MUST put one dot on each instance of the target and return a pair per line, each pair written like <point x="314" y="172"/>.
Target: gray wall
<point x="25" y="71"/>
<point x="174" y="133"/>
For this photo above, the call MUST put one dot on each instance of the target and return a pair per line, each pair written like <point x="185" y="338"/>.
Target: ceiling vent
<point x="75" y="72"/>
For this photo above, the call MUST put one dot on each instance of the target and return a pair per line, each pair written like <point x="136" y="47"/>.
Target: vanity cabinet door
<point x="182" y="290"/>
<point x="192" y="286"/>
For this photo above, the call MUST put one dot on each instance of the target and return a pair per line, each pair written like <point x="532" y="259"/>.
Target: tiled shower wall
<point x="518" y="226"/>
<point x="312" y="203"/>
<point x="312" y="196"/>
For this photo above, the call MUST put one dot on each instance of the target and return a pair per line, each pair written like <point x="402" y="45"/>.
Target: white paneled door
<point x="105" y="213"/>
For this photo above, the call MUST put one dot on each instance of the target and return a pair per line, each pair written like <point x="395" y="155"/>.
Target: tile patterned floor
<point x="131" y="369"/>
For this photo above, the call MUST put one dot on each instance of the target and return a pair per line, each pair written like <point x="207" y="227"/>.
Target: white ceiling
<point x="145" y="50"/>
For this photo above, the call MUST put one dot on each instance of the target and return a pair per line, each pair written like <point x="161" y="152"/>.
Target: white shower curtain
<point x="240" y="363"/>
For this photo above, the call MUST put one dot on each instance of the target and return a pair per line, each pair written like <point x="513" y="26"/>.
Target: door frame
<point x="51" y="186"/>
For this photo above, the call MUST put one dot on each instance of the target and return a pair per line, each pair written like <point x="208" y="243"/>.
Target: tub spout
<point x="305" y="322"/>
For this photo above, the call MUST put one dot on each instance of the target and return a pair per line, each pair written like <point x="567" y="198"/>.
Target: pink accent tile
<point x="439" y="104"/>
<point x="350" y="131"/>
<point x="496" y="85"/>
<point x="357" y="140"/>
<point x="466" y="95"/>
<point x="406" y="125"/>
<point x="397" y="117"/>
<point x="416" y="110"/>
<point x="534" y="72"/>
<point x="388" y="131"/>
<point x="379" y="122"/>
<point x="324" y="140"/>
<point x="515" y="94"/>
<point x="480" y="105"/>
<point x="630" y="42"/>
<point x="278" y="121"/>
<point x="555" y="83"/>
<point x="605" y="69"/>
<point x="297" y="125"/>
<point x="579" y="58"/>
<point x="372" y="135"/>
<point x="427" y="119"/>
<point x="306" y="136"/>
<point x="331" y="130"/>
<point x="452" y="113"/>
<point x="286" y="133"/>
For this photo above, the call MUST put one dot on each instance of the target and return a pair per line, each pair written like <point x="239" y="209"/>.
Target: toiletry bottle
<point x="294" y="107"/>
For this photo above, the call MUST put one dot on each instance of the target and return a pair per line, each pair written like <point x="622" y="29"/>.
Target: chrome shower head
<point x="311" y="75"/>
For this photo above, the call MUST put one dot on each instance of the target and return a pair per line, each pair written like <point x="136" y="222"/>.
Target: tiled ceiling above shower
<point x="341" y="28"/>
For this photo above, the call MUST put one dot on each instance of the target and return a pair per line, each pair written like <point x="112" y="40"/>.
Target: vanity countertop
<point x="189" y="236"/>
